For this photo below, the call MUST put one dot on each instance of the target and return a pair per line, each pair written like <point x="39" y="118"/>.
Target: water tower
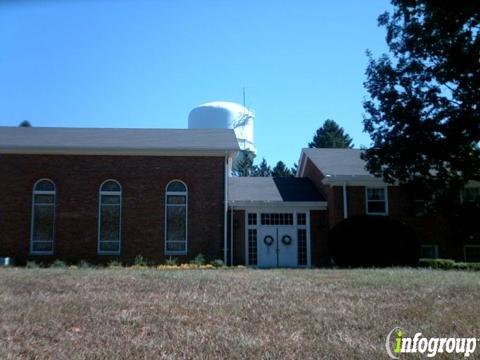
<point x="225" y="115"/>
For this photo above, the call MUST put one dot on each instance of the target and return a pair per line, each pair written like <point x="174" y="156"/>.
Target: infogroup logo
<point x="397" y="343"/>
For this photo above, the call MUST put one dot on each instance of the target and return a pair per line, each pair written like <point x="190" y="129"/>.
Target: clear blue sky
<point x="146" y="63"/>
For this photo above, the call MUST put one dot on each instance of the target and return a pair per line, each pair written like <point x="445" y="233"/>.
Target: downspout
<point x="225" y="236"/>
<point x="345" y="202"/>
<point x="231" y="235"/>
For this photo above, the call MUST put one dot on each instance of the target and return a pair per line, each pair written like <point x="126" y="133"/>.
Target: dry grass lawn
<point x="273" y="314"/>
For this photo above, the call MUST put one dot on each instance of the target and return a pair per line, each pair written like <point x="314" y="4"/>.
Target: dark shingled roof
<point x="285" y="189"/>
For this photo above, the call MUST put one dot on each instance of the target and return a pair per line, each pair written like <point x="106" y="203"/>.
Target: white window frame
<point x="385" y="189"/>
<point x="99" y="240"/>
<point x="305" y="227"/>
<point x="431" y="246"/>
<point x="465" y="250"/>
<point x="176" y="193"/>
<point x="32" y="220"/>
<point x="462" y="194"/>
<point x="264" y="210"/>
<point x="247" y="228"/>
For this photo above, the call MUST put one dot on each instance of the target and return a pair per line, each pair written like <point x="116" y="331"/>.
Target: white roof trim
<point x="320" y="205"/>
<point x="353" y="180"/>
<point x="116" y="152"/>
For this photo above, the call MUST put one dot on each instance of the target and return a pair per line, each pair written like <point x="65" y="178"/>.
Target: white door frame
<point x="283" y="209"/>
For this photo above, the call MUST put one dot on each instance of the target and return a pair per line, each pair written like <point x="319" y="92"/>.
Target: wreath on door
<point x="286" y="239"/>
<point x="268" y="240"/>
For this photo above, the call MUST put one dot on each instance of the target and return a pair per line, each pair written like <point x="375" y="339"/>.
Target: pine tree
<point x="331" y="135"/>
<point x="281" y="170"/>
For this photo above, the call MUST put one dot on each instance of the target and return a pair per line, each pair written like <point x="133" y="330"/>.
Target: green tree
<point x="331" y="135"/>
<point x="243" y="165"/>
<point x="294" y="169"/>
<point x="281" y="170"/>
<point x="262" y="169"/>
<point x="25" y="123"/>
<point x="423" y="112"/>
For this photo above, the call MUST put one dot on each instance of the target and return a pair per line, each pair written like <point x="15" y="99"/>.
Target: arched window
<point x="176" y="201"/>
<point x="109" y="218"/>
<point x="43" y="217"/>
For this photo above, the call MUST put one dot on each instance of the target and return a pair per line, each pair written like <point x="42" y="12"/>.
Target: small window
<point x="277" y="219"/>
<point x="376" y="201"/>
<point x="252" y="246"/>
<point x="176" y="200"/>
<point x="420" y="207"/>
<point x="301" y="219"/>
<point x="252" y="219"/>
<point x="109" y="218"/>
<point x="429" y="252"/>
<point x="471" y="194"/>
<point x="472" y="253"/>
<point x="43" y="218"/>
<point x="302" y="247"/>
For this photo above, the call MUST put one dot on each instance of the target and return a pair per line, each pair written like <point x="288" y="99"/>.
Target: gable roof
<point x="52" y="140"/>
<point x="337" y="162"/>
<point x="272" y="189"/>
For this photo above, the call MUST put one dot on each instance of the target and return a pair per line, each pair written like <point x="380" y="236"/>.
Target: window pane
<point x="110" y="223"/>
<point x="110" y="186"/>
<point x="252" y="246"/>
<point x="44" y="246"/>
<point x="44" y="199"/>
<point x="176" y="246"/>
<point x="302" y="247"/>
<point x="110" y="246"/>
<point x="376" y="207"/>
<point x="43" y="216"/>
<point x="176" y="223"/>
<point x="301" y="219"/>
<point x="472" y="253"/>
<point x="471" y="194"/>
<point x="428" y="252"/>
<point x="176" y="199"/>
<point x="45" y="185"/>
<point x="420" y="208"/>
<point x="111" y="199"/>
<point x="376" y="194"/>
<point x="176" y="186"/>
<point x="252" y="219"/>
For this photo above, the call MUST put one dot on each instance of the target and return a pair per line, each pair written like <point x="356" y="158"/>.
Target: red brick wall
<point x="318" y="237"/>
<point x="428" y="229"/>
<point x="238" y="237"/>
<point x="143" y="180"/>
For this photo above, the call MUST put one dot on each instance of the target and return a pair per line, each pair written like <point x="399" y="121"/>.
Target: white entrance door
<point x="267" y="246"/>
<point x="287" y="246"/>
<point x="277" y="246"/>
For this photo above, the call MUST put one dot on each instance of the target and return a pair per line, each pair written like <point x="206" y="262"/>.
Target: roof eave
<point x="118" y="151"/>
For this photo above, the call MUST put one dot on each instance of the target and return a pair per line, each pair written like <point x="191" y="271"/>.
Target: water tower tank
<point x="225" y="115"/>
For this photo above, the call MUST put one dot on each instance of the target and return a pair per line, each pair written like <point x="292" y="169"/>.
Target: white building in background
<point x="225" y="115"/>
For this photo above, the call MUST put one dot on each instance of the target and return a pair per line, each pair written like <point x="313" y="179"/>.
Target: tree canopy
<point x="331" y="135"/>
<point x="281" y="170"/>
<point x="423" y="112"/>
<point x="25" y="123"/>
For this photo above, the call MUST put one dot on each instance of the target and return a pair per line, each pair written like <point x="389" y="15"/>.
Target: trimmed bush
<point x="114" y="264"/>
<point x="32" y="265"/>
<point x="199" y="260"/>
<point x="217" y="263"/>
<point x="140" y="261"/>
<point x="84" y="264"/>
<point x="171" y="261"/>
<point x="447" y="264"/>
<point x="58" y="264"/>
